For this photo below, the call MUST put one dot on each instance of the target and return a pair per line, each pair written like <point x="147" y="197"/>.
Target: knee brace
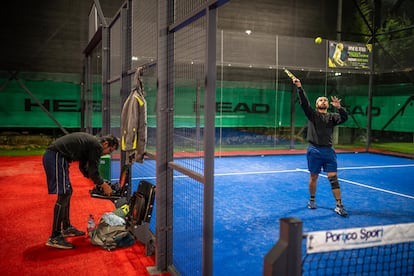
<point x="334" y="182"/>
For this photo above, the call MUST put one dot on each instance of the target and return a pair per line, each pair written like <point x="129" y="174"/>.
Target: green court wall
<point x="238" y="105"/>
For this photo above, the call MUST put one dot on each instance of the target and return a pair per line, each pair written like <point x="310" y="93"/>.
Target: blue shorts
<point x="57" y="173"/>
<point x="321" y="157"/>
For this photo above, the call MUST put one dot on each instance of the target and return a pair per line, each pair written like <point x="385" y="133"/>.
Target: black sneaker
<point x="311" y="204"/>
<point x="340" y="210"/>
<point x="72" y="232"/>
<point x="59" y="242"/>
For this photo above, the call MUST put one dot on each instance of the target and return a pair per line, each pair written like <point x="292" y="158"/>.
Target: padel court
<point x="252" y="193"/>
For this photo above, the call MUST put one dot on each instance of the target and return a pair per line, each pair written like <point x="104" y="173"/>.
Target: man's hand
<point x="336" y="102"/>
<point x="297" y="82"/>
<point x="106" y="188"/>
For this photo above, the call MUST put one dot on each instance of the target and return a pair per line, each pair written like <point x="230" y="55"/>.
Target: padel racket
<point x="290" y="75"/>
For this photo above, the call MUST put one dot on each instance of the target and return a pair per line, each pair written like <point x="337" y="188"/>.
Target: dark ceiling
<point x="46" y="35"/>
<point x="50" y="35"/>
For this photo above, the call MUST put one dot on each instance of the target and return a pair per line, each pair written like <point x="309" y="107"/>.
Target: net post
<point x="285" y="257"/>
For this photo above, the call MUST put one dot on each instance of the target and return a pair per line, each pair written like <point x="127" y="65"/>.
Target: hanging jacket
<point x="134" y="123"/>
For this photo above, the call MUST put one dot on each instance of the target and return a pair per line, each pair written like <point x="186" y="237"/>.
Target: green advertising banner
<point x="235" y="107"/>
<point x="254" y="107"/>
<point x="246" y="107"/>
<point x="61" y="99"/>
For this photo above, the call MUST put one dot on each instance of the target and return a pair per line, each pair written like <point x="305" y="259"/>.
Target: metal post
<point x="164" y="144"/>
<point x="126" y="63"/>
<point x="370" y="82"/>
<point x="89" y="96"/>
<point x="339" y="21"/>
<point x="209" y="127"/>
<point x="82" y="95"/>
<point x="285" y="258"/>
<point x="292" y="118"/>
<point x="106" y="115"/>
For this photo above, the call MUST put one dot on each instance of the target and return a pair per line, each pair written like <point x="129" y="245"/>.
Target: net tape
<point x="385" y="250"/>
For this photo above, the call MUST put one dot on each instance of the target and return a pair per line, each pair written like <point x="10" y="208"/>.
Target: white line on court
<point x="304" y="170"/>
<point x="377" y="167"/>
<point x="374" y="188"/>
<point x="261" y="172"/>
<point x="230" y="174"/>
<point x="295" y="170"/>
<point x="366" y="186"/>
<point x="298" y="169"/>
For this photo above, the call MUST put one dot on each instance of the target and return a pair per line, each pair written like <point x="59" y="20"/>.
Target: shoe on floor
<point x="340" y="210"/>
<point x="59" y="242"/>
<point x="311" y="204"/>
<point x="72" y="232"/>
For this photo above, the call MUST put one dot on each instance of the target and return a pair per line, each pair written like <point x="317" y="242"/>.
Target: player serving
<point x="320" y="153"/>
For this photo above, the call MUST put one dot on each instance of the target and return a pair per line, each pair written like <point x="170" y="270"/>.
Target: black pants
<point x="61" y="214"/>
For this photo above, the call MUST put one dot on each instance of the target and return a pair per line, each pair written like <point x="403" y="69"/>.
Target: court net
<point x="377" y="250"/>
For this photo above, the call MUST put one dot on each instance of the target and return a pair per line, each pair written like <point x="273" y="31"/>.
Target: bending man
<point x="86" y="149"/>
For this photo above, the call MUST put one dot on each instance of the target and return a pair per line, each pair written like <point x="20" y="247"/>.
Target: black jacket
<point x="82" y="147"/>
<point x="320" y="125"/>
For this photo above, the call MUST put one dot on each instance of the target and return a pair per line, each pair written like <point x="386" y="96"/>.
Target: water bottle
<point x="91" y="223"/>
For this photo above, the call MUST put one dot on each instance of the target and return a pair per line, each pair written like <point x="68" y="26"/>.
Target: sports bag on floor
<point x="111" y="232"/>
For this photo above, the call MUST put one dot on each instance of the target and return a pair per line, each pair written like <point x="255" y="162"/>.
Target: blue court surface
<point x="253" y="193"/>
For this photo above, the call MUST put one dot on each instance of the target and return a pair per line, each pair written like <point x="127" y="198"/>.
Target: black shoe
<point x="311" y="204"/>
<point x="59" y="242"/>
<point x="72" y="232"/>
<point x="340" y="210"/>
